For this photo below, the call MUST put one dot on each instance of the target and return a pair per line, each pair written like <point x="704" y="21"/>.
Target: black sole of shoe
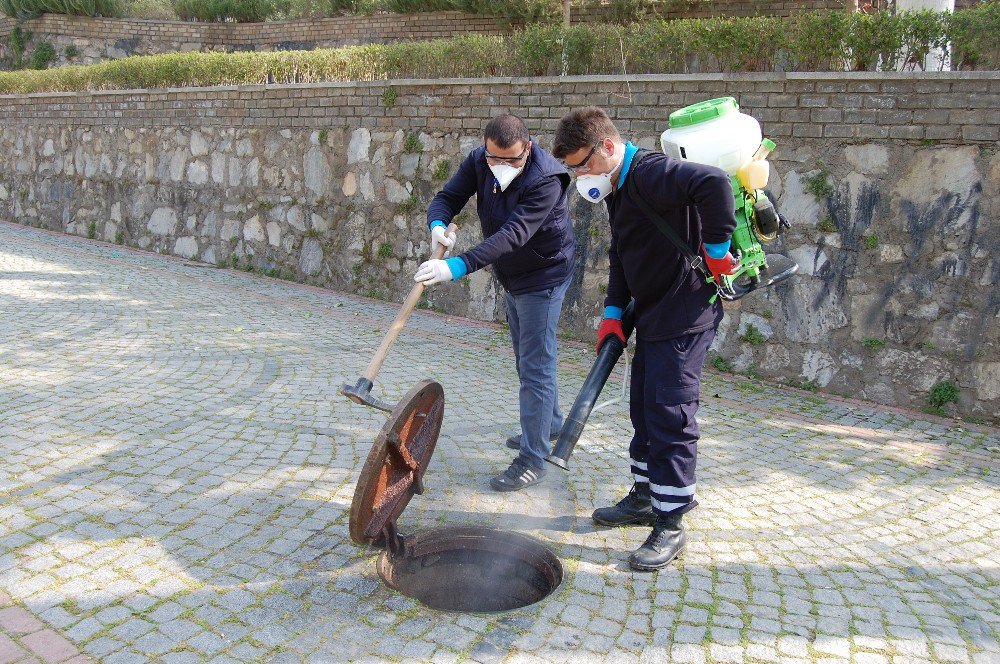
<point x="653" y="568"/>
<point x="644" y="521"/>
<point x="507" y="489"/>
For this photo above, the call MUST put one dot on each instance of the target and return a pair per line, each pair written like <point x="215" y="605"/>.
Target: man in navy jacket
<point x="675" y="314"/>
<point x="528" y="239"/>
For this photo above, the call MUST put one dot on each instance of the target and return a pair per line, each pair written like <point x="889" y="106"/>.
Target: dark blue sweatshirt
<point x="697" y="201"/>
<point x="528" y="238"/>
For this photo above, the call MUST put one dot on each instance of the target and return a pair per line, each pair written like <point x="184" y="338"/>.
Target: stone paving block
<point x="689" y="633"/>
<point x="10" y="651"/>
<point x="16" y="620"/>
<point x="50" y="646"/>
<point x="221" y="499"/>
<point x="688" y="653"/>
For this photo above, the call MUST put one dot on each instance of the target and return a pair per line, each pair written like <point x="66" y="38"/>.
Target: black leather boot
<point x="665" y="543"/>
<point x="634" y="509"/>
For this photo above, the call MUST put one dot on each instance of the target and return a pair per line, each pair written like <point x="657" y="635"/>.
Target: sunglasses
<point x="582" y="166"/>
<point x="507" y="160"/>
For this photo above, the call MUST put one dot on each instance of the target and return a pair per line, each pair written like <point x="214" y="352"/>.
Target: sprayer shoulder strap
<point x="694" y="261"/>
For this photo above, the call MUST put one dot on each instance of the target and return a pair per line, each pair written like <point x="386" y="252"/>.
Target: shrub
<point x="17" y="40"/>
<point x="71" y="51"/>
<point x="162" y="10"/>
<point x="240" y="11"/>
<point x="43" y="55"/>
<point x="942" y="393"/>
<point x="680" y="46"/>
<point x="973" y="36"/>
<point x="22" y="9"/>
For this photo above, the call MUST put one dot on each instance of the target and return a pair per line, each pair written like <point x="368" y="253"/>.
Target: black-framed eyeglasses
<point x="582" y="166"/>
<point x="508" y="160"/>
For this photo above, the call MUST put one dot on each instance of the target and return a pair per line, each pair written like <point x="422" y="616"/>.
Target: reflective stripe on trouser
<point x="666" y="378"/>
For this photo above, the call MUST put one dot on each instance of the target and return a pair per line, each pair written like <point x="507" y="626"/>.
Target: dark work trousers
<point x="666" y="378"/>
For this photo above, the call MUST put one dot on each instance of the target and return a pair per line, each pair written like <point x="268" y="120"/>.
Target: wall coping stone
<point x="539" y="80"/>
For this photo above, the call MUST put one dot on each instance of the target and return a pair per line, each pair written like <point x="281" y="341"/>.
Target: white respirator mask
<point x="595" y="188"/>
<point x="505" y="174"/>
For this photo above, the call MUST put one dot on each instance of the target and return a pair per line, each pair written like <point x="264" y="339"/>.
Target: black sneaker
<point x="518" y="476"/>
<point x="514" y="442"/>
<point x="634" y="509"/>
<point x="665" y="543"/>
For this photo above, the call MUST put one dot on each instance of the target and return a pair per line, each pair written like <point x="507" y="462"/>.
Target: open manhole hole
<point x="456" y="568"/>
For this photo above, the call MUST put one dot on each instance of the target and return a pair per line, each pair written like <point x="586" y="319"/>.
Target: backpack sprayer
<point x="715" y="133"/>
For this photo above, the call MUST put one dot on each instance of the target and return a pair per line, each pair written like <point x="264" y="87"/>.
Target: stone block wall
<point x="900" y="263"/>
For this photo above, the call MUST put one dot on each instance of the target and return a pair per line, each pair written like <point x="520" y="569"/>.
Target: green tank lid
<point x="703" y="111"/>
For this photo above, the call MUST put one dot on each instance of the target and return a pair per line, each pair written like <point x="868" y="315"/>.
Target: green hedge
<point x="240" y="11"/>
<point x="246" y="11"/>
<point x="822" y="41"/>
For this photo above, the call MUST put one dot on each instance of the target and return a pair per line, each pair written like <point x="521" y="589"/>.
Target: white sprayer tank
<point x="712" y="132"/>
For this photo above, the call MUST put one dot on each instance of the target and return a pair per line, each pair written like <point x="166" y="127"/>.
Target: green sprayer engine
<point x="716" y="133"/>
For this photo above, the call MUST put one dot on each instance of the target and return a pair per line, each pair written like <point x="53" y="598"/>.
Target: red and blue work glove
<point x="719" y="261"/>
<point x="611" y="324"/>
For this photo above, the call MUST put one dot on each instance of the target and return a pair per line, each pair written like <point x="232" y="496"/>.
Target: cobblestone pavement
<point x="178" y="471"/>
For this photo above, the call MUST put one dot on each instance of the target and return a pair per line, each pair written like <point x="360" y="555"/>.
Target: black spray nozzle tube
<point x="607" y="357"/>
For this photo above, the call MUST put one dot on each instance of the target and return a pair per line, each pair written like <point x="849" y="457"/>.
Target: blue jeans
<point x="533" y="319"/>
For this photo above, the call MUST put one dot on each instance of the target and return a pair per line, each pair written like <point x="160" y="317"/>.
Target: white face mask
<point x="595" y="188"/>
<point x="505" y="174"/>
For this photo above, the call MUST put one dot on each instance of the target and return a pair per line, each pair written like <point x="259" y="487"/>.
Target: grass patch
<point x="826" y="225"/>
<point x="942" y="393"/>
<point x="872" y="344"/>
<point x="870" y="241"/>
<point x="409" y="206"/>
<point x="753" y="336"/>
<point x="720" y="363"/>
<point x="412" y="144"/>
<point x="441" y="170"/>
<point x="389" y="96"/>
<point x="818" y="184"/>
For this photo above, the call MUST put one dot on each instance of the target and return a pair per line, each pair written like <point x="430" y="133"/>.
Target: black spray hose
<point x="607" y="357"/>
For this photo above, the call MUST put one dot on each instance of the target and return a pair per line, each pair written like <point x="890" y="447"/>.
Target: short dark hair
<point x="583" y="128"/>
<point x="506" y="130"/>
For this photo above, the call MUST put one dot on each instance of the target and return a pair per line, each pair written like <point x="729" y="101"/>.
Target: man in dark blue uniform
<point x="676" y="316"/>
<point x="521" y="201"/>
